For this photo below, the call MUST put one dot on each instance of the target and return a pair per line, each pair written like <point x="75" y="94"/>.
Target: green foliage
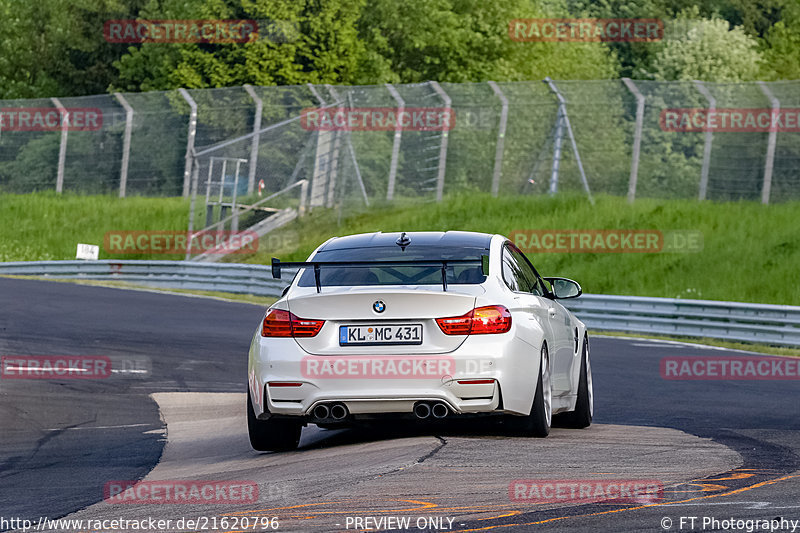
<point x="306" y="41"/>
<point x="57" y="48"/>
<point x="707" y="50"/>
<point x="782" y="46"/>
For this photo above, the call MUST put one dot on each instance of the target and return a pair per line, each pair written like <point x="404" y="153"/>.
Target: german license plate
<point x="383" y="334"/>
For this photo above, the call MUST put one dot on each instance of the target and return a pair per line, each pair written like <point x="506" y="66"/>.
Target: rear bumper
<point x="471" y="379"/>
<point x="384" y="403"/>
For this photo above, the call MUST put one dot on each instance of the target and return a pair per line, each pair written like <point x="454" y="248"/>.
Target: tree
<point x="307" y="41"/>
<point x="707" y="50"/>
<point x="56" y="48"/>
<point x="782" y="46"/>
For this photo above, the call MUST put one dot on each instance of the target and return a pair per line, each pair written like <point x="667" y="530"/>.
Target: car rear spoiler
<point x="277" y="265"/>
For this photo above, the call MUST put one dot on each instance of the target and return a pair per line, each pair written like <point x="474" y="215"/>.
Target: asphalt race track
<point x="174" y="410"/>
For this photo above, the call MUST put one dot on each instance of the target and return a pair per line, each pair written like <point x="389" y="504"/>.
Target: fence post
<point x="190" y="229"/>
<point x="637" y="138"/>
<point x="771" y="142"/>
<point x="319" y="177"/>
<point x="709" y="139"/>
<point x="443" y="147"/>
<point x="126" y="144"/>
<point x="62" y="149"/>
<point x="398" y="132"/>
<point x="187" y="170"/>
<point x="251" y="177"/>
<point x="333" y="167"/>
<point x="501" y="136"/>
<point x="558" y="135"/>
<point x="564" y="120"/>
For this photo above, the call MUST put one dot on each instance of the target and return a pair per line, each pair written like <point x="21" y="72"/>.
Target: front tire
<point x="581" y="417"/>
<point x="538" y="421"/>
<point x="272" y="435"/>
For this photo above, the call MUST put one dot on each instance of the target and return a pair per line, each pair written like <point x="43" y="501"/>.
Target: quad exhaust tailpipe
<point x="423" y="410"/>
<point x="338" y="411"/>
<point x="335" y="411"/>
<point x="321" y="412"/>
<point x="439" y="410"/>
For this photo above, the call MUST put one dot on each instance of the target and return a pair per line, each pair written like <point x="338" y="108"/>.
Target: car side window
<point x="517" y="273"/>
<point x="509" y="272"/>
<point x="530" y="273"/>
<point x="518" y="267"/>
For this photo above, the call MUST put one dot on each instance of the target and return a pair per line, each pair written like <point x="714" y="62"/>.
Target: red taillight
<point x="475" y="381"/>
<point x="481" y="320"/>
<point x="280" y="323"/>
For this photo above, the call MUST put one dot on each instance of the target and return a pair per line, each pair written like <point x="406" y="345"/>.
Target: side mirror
<point x="563" y="288"/>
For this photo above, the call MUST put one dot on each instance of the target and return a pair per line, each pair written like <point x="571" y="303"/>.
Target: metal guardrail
<point x="768" y="324"/>
<point x="734" y="321"/>
<point x="224" y="277"/>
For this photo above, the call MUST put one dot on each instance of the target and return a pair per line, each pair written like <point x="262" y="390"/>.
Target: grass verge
<point x="750" y="254"/>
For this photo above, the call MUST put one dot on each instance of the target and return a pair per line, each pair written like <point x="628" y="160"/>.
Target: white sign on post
<point x="88" y="251"/>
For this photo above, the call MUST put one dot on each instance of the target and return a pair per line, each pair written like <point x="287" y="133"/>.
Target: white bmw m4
<point x="418" y="325"/>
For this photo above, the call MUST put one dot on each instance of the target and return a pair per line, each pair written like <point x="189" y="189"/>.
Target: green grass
<point x="751" y="252"/>
<point x="46" y="226"/>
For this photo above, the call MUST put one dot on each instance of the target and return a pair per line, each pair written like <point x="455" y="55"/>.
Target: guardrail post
<point x="251" y="177"/>
<point x="771" y="142"/>
<point x="187" y="170"/>
<point x="637" y="138"/>
<point x="709" y="139"/>
<point x="398" y="132"/>
<point x="443" y="146"/>
<point x="126" y="144"/>
<point x="501" y="136"/>
<point x="62" y="149"/>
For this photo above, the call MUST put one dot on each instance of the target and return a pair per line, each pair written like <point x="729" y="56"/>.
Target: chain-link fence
<point x="619" y="137"/>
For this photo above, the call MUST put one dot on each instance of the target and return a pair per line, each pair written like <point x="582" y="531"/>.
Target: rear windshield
<point x="356" y="276"/>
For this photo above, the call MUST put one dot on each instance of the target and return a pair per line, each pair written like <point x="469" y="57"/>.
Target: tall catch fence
<point x="243" y="144"/>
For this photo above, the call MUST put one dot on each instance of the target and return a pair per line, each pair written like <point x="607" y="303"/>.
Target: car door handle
<point x="552" y="312"/>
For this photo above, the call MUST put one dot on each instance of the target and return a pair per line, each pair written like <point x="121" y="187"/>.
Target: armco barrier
<point x="224" y="277"/>
<point x="768" y="324"/>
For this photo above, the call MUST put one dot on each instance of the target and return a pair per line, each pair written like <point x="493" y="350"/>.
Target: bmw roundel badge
<point x="379" y="306"/>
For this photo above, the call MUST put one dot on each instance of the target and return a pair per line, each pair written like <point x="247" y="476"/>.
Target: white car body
<point x="475" y="373"/>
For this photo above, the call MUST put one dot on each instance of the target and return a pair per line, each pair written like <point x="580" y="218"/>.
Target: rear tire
<point x="581" y="417"/>
<point x="272" y="435"/>
<point x="537" y="422"/>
